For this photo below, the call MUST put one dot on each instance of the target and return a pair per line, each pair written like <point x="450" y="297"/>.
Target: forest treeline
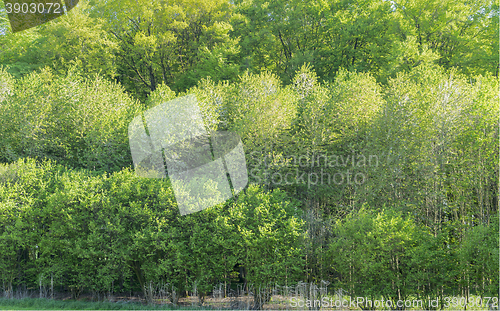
<point x="143" y="44"/>
<point x="370" y="131"/>
<point x="422" y="220"/>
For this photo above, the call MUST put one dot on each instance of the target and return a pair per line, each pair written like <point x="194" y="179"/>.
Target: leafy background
<point x="414" y="83"/>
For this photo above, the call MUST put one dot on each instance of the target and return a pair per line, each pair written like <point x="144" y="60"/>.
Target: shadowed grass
<point x="48" y="304"/>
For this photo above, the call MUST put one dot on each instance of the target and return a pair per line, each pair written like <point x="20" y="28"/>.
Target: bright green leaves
<point x="260" y="108"/>
<point x="456" y="31"/>
<point x="79" y="40"/>
<point x="479" y="256"/>
<point x="408" y="54"/>
<point x="75" y="39"/>
<point x="408" y="82"/>
<point x="270" y="232"/>
<point x="172" y="43"/>
<point x="380" y="37"/>
<point x="69" y="119"/>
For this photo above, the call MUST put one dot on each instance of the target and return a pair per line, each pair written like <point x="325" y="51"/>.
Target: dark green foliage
<point x="119" y="232"/>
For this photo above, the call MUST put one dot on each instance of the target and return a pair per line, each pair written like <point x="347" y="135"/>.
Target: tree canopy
<point x="370" y="132"/>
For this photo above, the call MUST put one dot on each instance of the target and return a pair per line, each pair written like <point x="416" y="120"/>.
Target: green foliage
<point x="423" y="139"/>
<point x="75" y="39"/>
<point x="6" y="84"/>
<point x="269" y="229"/>
<point x="77" y="121"/>
<point x="478" y="257"/>
<point x="412" y="83"/>
<point x="78" y="40"/>
<point x="380" y="37"/>
<point x="106" y="233"/>
<point x="456" y="31"/>
<point x="369" y="253"/>
<point x="17" y="49"/>
<point x="174" y="43"/>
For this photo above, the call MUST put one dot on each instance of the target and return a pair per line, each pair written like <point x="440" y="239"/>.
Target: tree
<point x="268" y="245"/>
<point x="77" y="121"/>
<point x="172" y="43"/>
<point x="453" y="30"/>
<point x="75" y="39"/>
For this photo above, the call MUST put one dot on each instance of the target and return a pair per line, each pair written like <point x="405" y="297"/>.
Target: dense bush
<point x="100" y="233"/>
<point x="386" y="254"/>
<point x="117" y="232"/>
